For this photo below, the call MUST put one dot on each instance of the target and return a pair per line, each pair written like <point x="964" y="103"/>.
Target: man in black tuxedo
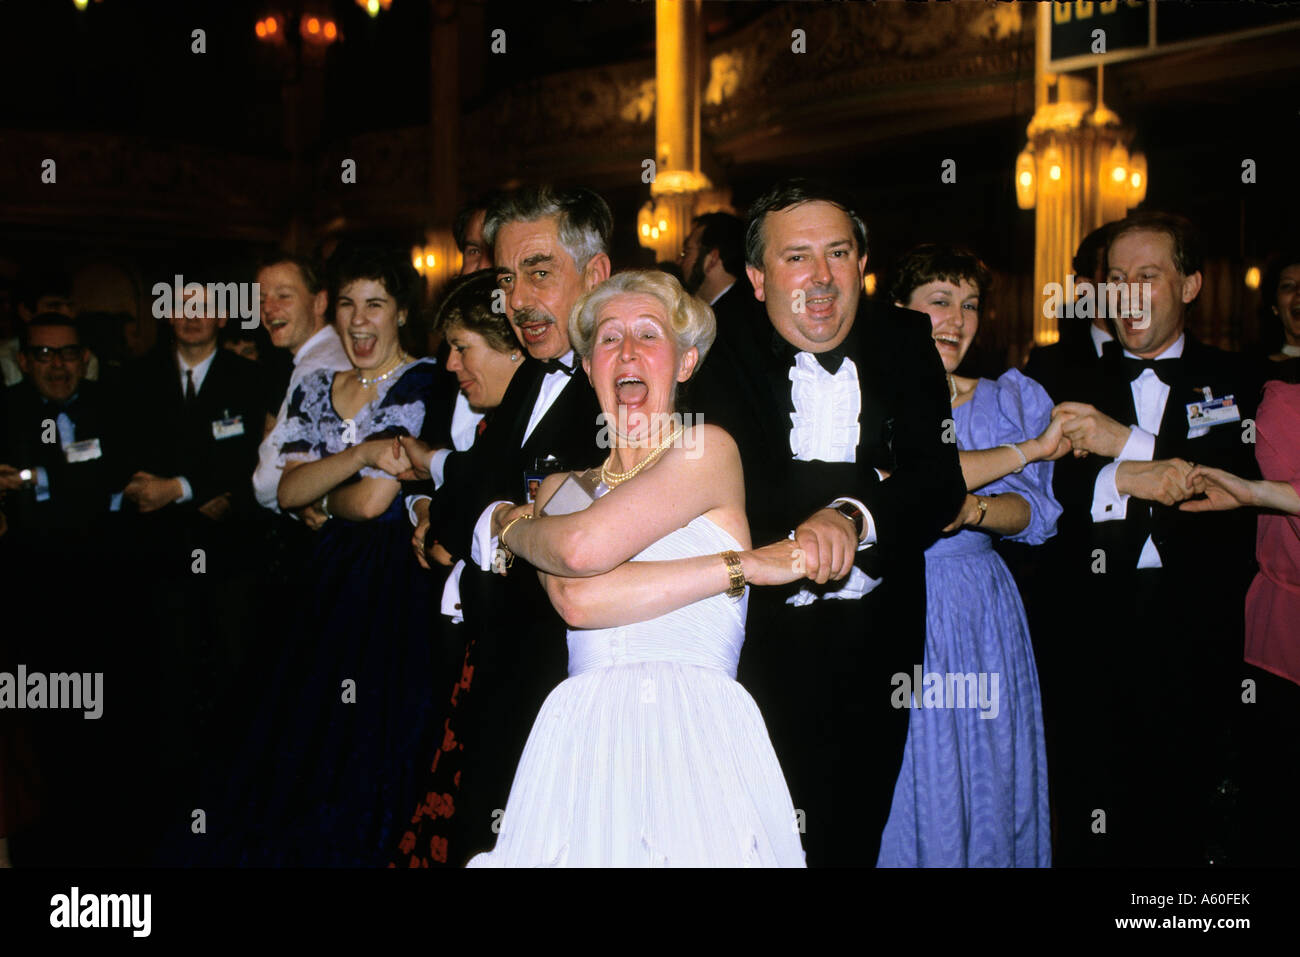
<point x="549" y="247"/>
<point x="63" y="581"/>
<point x="1156" y="593"/>
<point x="195" y="414"/>
<point x="1059" y="366"/>
<point x="60" y="429"/>
<point x="857" y="391"/>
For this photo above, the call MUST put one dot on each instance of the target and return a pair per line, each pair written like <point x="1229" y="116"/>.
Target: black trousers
<point x="1145" y="703"/>
<point x="822" y="676"/>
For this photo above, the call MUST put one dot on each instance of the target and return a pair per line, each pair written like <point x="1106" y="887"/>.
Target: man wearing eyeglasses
<point x="65" y="583"/>
<point x="57" y="460"/>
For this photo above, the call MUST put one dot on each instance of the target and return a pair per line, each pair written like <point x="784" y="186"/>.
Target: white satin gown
<point x="651" y="754"/>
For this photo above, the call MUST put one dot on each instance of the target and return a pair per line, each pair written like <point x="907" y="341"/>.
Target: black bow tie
<point x="555" y="365"/>
<point x="831" y="360"/>
<point x="1167" y="369"/>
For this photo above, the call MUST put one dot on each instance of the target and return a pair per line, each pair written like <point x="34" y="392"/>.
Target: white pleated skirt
<point x="648" y="764"/>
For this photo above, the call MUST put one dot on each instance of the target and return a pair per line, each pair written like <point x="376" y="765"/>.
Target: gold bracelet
<point x="983" y="506"/>
<point x="501" y="539"/>
<point x="736" y="571"/>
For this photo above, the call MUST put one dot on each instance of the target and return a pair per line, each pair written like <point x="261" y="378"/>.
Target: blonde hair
<point x="690" y="319"/>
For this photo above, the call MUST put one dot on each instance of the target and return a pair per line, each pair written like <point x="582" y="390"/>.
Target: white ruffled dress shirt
<point x="825" y="427"/>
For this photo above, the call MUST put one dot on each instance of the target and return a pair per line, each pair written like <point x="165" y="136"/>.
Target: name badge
<point x="227" y="428"/>
<point x="533" y="477"/>
<point x="1213" y="412"/>
<point x="82" y="451"/>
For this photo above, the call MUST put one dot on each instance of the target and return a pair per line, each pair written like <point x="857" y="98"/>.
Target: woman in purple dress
<point x="972" y="791"/>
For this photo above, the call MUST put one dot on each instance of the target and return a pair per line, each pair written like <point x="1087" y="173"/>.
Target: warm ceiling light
<point x="272" y="25"/>
<point x="869" y="284"/>
<point x="313" y="25"/>
<point x="663" y="225"/>
<point x="261" y="29"/>
<point x="1137" y="179"/>
<point x="430" y="261"/>
<point x="645" y="229"/>
<point x="331" y="31"/>
<point x="1252" y="277"/>
<point x="1025" y="180"/>
<point x="81" y="4"/>
<point x="1118" y="174"/>
<point x="1054" y="164"/>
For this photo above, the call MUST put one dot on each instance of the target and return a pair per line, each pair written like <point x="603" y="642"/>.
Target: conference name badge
<point x="227" y="428"/>
<point x="83" y="451"/>
<point x="534" y="476"/>
<point x="1211" y="411"/>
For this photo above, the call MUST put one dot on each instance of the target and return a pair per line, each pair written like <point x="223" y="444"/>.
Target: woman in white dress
<point x="650" y="753"/>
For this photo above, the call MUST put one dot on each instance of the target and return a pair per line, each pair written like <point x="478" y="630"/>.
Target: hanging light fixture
<point x="1026" y="181"/>
<point x="423" y="259"/>
<point x="1053" y="167"/>
<point x="1116" y="170"/>
<point x="373" y="7"/>
<point x="1137" y="179"/>
<point x="651" y="225"/>
<point x="321" y="31"/>
<point x="270" y="29"/>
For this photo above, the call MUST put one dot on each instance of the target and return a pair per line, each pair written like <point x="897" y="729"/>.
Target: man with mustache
<point x="847" y="454"/>
<point x="549" y="247"/>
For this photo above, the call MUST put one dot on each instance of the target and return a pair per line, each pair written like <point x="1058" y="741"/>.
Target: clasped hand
<point x="1090" y="430"/>
<point x="150" y="493"/>
<point x="829" y="542"/>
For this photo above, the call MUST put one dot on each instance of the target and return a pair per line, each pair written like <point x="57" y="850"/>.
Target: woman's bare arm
<point x="688" y="481"/>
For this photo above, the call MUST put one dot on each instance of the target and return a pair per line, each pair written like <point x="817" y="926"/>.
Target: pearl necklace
<point x="952" y="384"/>
<point x="367" y="383"/>
<point x="613" y="479"/>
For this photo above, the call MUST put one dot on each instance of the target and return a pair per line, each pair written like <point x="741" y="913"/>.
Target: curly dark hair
<point x="932" y="262"/>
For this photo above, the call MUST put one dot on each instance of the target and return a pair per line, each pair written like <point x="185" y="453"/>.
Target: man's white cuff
<point x="1140" y="447"/>
<point x="411" y="501"/>
<point x="484" y="545"/>
<point x="1108" y="505"/>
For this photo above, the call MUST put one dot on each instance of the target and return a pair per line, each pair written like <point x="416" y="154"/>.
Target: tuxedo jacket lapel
<point x="568" y="429"/>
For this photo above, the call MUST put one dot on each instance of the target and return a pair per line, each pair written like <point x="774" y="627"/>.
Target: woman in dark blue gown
<point x="351" y="720"/>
